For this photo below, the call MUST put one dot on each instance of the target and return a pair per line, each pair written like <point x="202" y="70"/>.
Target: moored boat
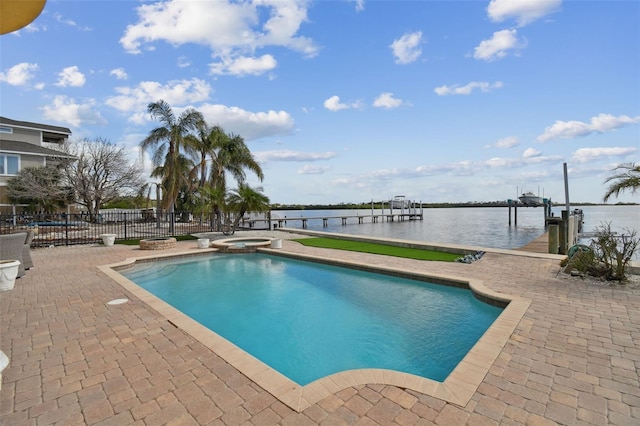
<point x="531" y="199"/>
<point x="399" y="202"/>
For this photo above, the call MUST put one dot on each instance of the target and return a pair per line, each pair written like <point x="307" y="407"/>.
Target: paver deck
<point x="572" y="359"/>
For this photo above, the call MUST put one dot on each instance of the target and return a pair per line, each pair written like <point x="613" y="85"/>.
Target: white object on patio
<point x="8" y="274"/>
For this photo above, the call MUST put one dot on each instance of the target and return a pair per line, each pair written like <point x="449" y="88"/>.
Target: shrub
<point x="609" y="254"/>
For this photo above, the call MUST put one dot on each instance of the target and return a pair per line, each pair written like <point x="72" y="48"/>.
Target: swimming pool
<point x="458" y="388"/>
<point x="309" y="320"/>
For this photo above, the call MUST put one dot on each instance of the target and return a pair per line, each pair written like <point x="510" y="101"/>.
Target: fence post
<point x="125" y="225"/>
<point x="66" y="229"/>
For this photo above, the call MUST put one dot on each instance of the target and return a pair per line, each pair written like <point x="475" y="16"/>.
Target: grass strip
<point x="374" y="248"/>
<point x="135" y="242"/>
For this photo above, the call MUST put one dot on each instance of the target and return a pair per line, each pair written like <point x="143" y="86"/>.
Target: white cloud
<point x="508" y="142"/>
<point x="183" y="62"/>
<point x="19" y="74"/>
<point x="530" y="152"/>
<point x="501" y="162"/>
<point x="119" y="73"/>
<point x="175" y="93"/>
<point x="468" y="88"/>
<point x="70" y="77"/>
<point x="406" y="49"/>
<point x="249" y="125"/>
<point x="600" y="124"/>
<point x="498" y="45"/>
<point x="58" y="17"/>
<point x="523" y="11"/>
<point x="537" y="159"/>
<point x="31" y="28"/>
<point x="463" y="168"/>
<point x="232" y="30"/>
<point x="585" y="155"/>
<point x="244" y="65"/>
<point x="284" y="22"/>
<point x="359" y="5"/>
<point x="334" y="104"/>
<point x="386" y="100"/>
<point x="528" y="157"/>
<point x="68" y="110"/>
<point x="467" y="167"/>
<point x="295" y="156"/>
<point x="312" y="169"/>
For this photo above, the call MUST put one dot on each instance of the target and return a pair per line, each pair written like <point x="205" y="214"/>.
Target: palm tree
<point x="212" y="201"/>
<point x="232" y="156"/>
<point x="246" y="199"/>
<point x="166" y="142"/>
<point x="185" y="180"/>
<point x="228" y="154"/>
<point x="200" y="146"/>
<point x="626" y="177"/>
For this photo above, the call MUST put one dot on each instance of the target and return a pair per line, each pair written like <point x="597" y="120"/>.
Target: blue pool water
<point x="310" y="320"/>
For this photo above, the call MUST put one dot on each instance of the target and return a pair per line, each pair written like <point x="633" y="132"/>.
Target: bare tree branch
<point x="102" y="173"/>
<point x="40" y="187"/>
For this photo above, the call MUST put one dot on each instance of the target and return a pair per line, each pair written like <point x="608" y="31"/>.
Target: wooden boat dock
<point x="539" y="245"/>
<point x="399" y="209"/>
<point x="373" y="218"/>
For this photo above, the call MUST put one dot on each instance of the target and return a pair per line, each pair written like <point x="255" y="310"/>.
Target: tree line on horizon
<point x="380" y="204"/>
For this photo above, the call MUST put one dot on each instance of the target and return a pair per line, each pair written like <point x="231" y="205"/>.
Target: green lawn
<point x="135" y="242"/>
<point x="362" y="247"/>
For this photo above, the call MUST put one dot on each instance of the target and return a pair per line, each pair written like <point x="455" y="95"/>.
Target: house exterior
<point x="25" y="144"/>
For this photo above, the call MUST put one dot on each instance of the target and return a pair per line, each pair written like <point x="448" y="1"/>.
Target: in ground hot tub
<point x="242" y="244"/>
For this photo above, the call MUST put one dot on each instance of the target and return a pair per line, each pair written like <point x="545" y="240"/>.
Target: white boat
<point x="399" y="202"/>
<point x="531" y="199"/>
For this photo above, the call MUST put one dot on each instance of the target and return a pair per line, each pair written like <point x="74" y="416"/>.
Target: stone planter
<point x="108" y="239"/>
<point x="203" y="243"/>
<point x="8" y="274"/>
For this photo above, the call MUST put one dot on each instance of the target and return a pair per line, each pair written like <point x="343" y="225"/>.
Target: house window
<point x="9" y="164"/>
<point x="4" y="129"/>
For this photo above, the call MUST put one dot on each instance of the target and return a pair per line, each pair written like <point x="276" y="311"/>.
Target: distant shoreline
<point x="378" y="205"/>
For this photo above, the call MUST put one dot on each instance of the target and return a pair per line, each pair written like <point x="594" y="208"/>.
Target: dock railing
<point x="389" y="216"/>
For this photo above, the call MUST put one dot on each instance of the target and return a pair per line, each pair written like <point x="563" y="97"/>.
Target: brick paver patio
<point x="573" y="359"/>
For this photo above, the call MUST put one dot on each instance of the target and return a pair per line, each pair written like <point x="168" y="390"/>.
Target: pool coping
<point x="457" y="388"/>
<point x="232" y="241"/>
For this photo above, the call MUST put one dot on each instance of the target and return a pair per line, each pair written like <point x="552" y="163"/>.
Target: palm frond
<point x="625" y="178"/>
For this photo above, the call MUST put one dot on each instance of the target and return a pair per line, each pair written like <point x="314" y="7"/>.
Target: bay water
<point x="475" y="226"/>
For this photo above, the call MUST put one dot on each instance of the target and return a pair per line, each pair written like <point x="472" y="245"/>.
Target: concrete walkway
<point x="573" y="358"/>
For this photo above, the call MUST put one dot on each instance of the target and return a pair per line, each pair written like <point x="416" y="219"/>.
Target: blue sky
<point x="348" y="101"/>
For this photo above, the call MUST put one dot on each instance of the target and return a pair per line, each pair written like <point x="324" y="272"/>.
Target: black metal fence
<point x="60" y="229"/>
